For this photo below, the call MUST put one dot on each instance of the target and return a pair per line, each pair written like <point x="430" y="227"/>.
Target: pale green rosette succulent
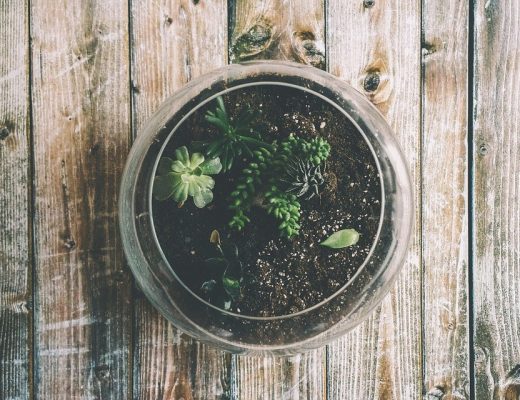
<point x="186" y="176"/>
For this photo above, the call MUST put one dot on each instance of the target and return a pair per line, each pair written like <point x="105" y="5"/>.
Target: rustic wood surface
<point x="384" y="63"/>
<point x="295" y="31"/>
<point x="15" y="208"/>
<point x="445" y="199"/>
<point x="81" y="132"/>
<point x="78" y="79"/>
<point x="173" y="42"/>
<point x="497" y="200"/>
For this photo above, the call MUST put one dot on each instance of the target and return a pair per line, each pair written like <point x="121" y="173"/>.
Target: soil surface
<point x="289" y="275"/>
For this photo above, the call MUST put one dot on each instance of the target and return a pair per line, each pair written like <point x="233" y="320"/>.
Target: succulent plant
<point x="236" y="137"/>
<point x="225" y="259"/>
<point x="285" y="208"/>
<point x="267" y="170"/>
<point x="317" y="150"/>
<point x="341" y="239"/>
<point x="186" y="176"/>
<point x="303" y="178"/>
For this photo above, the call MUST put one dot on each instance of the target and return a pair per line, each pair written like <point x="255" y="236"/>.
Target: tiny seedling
<point x="186" y="176"/>
<point x="226" y="259"/>
<point x="341" y="239"/>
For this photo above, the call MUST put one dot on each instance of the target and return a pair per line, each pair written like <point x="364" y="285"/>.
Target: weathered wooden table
<point x="77" y="80"/>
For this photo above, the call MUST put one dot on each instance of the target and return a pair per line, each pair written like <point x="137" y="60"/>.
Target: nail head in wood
<point x="369" y="3"/>
<point x="70" y="243"/>
<point x="482" y="149"/>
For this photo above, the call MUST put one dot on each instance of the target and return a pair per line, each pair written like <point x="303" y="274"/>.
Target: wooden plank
<point x="444" y="199"/>
<point x="278" y="29"/>
<point x="284" y="30"/>
<point x="172" y="42"/>
<point x="81" y="137"/>
<point x="297" y="377"/>
<point x="375" y="46"/>
<point x="15" y="253"/>
<point x="497" y="189"/>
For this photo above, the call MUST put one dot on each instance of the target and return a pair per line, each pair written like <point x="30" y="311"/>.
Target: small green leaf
<point x="220" y="103"/>
<point x="341" y="239"/>
<point x="180" y="193"/>
<point x="211" y="167"/>
<point x="182" y="155"/>
<point x="196" y="160"/>
<point x="231" y="286"/>
<point x="164" y="186"/>
<point x="203" y="198"/>
<point x="178" y="167"/>
<point x="204" y="181"/>
<point x="218" y="123"/>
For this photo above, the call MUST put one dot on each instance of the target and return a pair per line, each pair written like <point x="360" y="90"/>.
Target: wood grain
<point x="295" y="31"/>
<point x="15" y="249"/>
<point x="81" y="133"/>
<point x="279" y="378"/>
<point x="496" y="273"/>
<point x="377" y="50"/>
<point x="173" y="42"/>
<point x="278" y="29"/>
<point x="444" y="199"/>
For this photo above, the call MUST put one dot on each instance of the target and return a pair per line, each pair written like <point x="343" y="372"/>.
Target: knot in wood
<point x="371" y="81"/>
<point x="254" y="41"/>
<point x="4" y="132"/>
<point x="369" y="3"/>
<point x="102" y="372"/>
<point x="435" y="393"/>
<point x="513" y="377"/>
<point x="94" y="149"/>
<point x="480" y="355"/>
<point x="314" y="56"/>
<point x="69" y="243"/>
<point x="168" y="20"/>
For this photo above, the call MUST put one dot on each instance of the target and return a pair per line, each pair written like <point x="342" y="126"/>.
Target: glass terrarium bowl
<point x="284" y="334"/>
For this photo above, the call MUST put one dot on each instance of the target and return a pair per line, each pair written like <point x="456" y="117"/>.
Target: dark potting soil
<point x="289" y="275"/>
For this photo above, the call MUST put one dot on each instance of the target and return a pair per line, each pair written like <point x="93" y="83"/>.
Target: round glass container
<point x="285" y="334"/>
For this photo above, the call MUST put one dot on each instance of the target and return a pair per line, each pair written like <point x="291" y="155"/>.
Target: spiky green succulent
<point x="236" y="138"/>
<point x="303" y="178"/>
<point x="186" y="176"/>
